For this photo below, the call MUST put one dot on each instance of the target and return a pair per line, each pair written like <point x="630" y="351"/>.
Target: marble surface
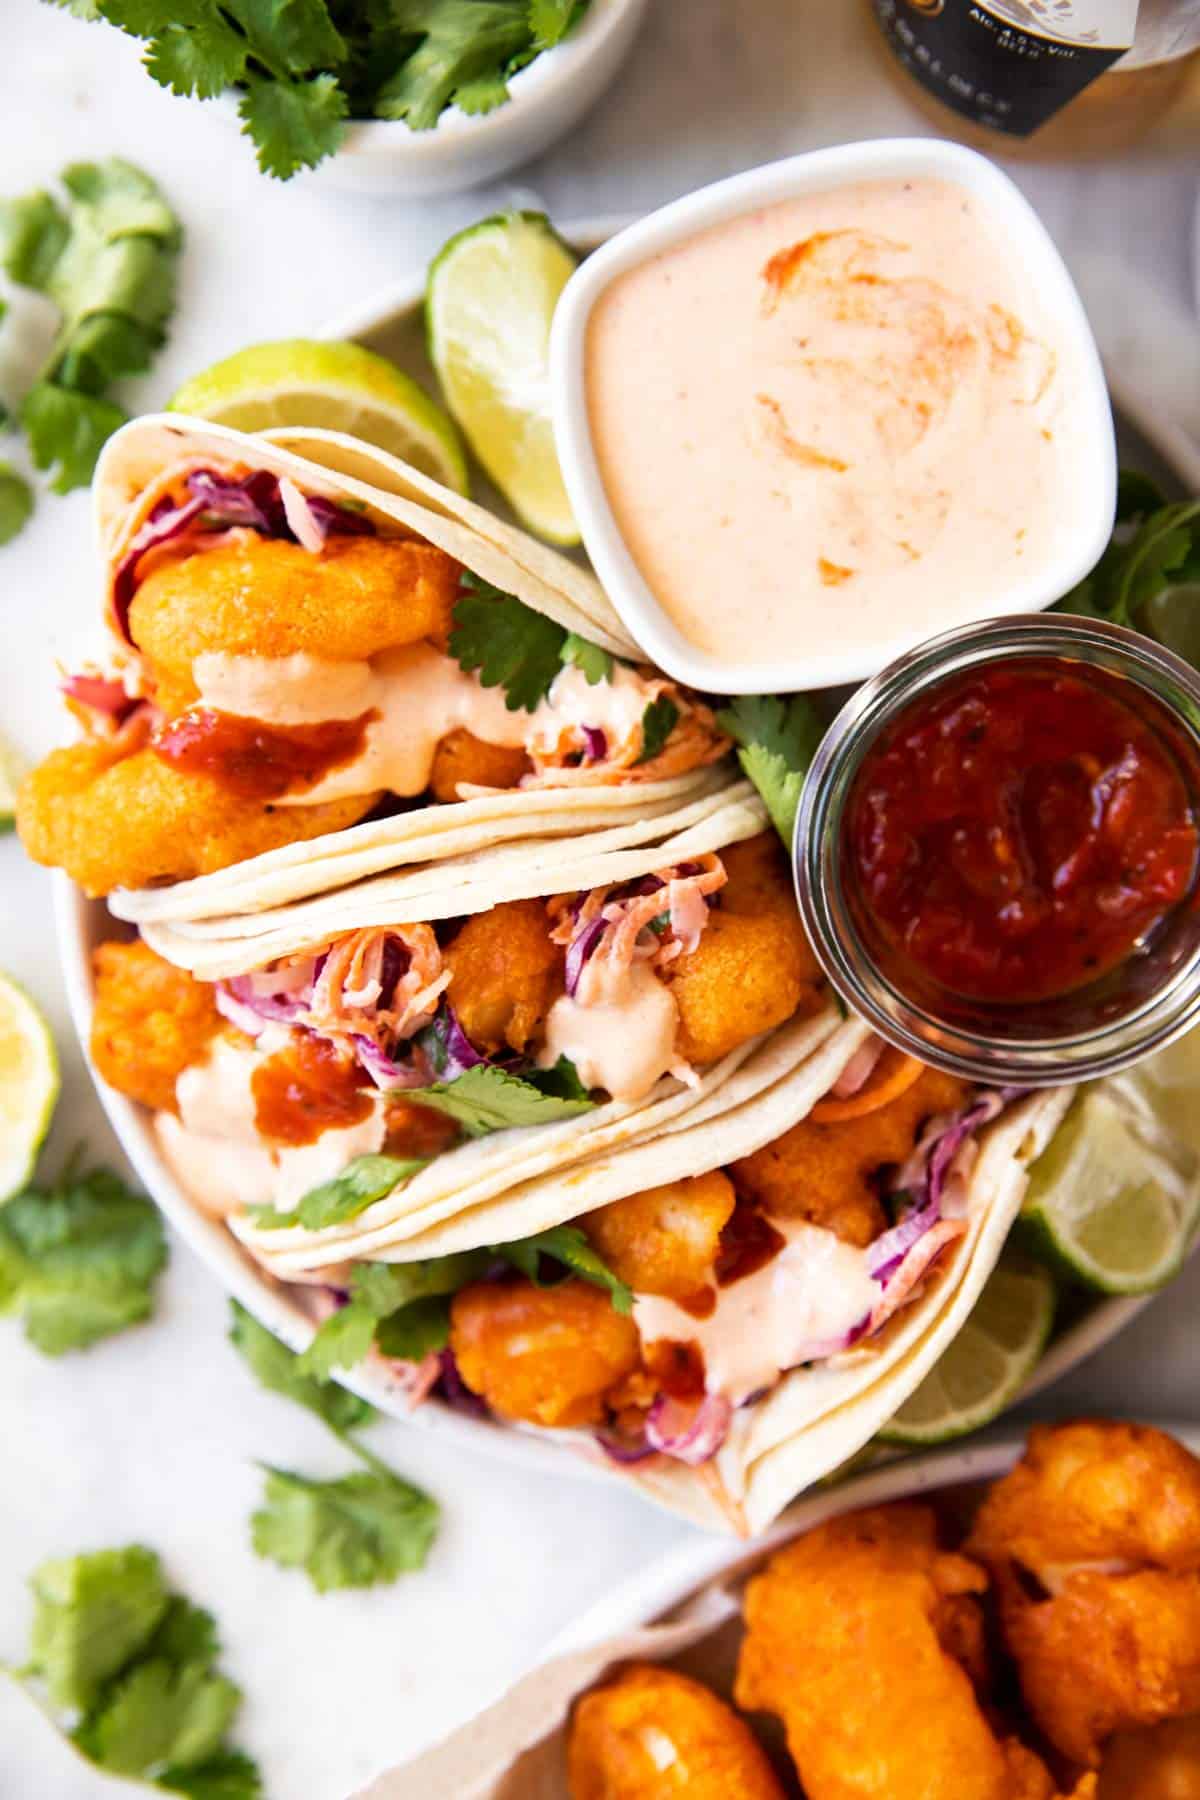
<point x="155" y="1436"/>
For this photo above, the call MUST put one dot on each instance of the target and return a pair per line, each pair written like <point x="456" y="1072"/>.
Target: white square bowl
<point x="1093" y="494"/>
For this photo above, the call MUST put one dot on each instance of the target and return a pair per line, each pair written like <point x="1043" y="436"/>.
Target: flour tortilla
<point x="236" y="944"/>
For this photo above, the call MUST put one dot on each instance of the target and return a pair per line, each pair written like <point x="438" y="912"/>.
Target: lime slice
<point x="989" y="1361"/>
<point x="335" y="387"/>
<point x="1105" y="1206"/>
<point x="12" y="768"/>
<point x="28" y="1086"/>
<point x="1163" y="1090"/>
<point x="490" y="298"/>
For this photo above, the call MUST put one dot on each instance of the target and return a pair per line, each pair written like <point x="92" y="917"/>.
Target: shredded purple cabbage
<point x="595" y="742"/>
<point x="281" y="1009"/>
<point x="690" y="1432"/>
<point x="580" y="950"/>
<point x="625" y="1451"/>
<point x="454" y="1391"/>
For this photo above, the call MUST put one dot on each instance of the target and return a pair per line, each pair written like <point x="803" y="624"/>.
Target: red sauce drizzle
<point x="1016" y="833"/>
<point x="748" y="1243"/>
<point x="677" y="1368"/>
<point x="306" y="1089"/>
<point x="257" y="761"/>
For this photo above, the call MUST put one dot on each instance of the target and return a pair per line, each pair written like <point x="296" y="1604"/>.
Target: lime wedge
<point x="12" y="768"/>
<point x="1105" y="1206"/>
<point x="490" y="298"/>
<point x="335" y="387"/>
<point x="989" y="1361"/>
<point x="1163" y="1091"/>
<point x="28" y="1086"/>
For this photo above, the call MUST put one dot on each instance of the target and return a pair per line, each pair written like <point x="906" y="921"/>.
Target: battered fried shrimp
<point x="545" y="1355"/>
<point x="759" y="880"/>
<point x="665" y="1239"/>
<point x="262" y="597"/>
<point x="827" y="1174"/>
<point x="137" y="822"/>
<point x="151" y="1021"/>
<point x="746" y="975"/>
<point x="653" y="1733"/>
<point x="849" y="1639"/>
<point x="1161" y="1763"/>
<point x="1030" y="1779"/>
<point x="505" y="975"/>
<point x="1094" y="1542"/>
<point x="460" y="757"/>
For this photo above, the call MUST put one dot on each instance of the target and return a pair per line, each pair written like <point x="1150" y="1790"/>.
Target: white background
<point x="155" y="1435"/>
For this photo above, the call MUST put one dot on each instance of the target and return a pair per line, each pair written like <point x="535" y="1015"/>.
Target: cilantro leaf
<point x="278" y="1369"/>
<point x="92" y="1614"/>
<point x="560" y="1080"/>
<point x="67" y="431"/>
<point x="357" y="1531"/>
<point x="360" y="1184"/>
<point x="1149" y="575"/>
<point x="567" y="1245"/>
<point x="158" y="1714"/>
<point x="226" y="1775"/>
<point x="506" y="643"/>
<point x="16" y="502"/>
<point x="658" y="722"/>
<point x="550" y="20"/>
<point x="463" y="43"/>
<point x="202" y="59"/>
<point x="184" y="1634"/>
<point x="596" y="664"/>
<point x="377" y="1291"/>
<point x="777" y="737"/>
<point x="80" y="1261"/>
<point x="416" y="1329"/>
<point x="486" y="1099"/>
<point x="294" y="124"/>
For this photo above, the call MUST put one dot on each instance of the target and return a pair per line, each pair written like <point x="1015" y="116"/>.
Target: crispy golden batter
<point x="505" y="975"/>
<point x="846" y="1640"/>
<point x="1030" y="1779"/>
<point x="665" y="1239"/>
<point x="460" y="757"/>
<point x="746" y="975"/>
<point x="151" y="1021"/>
<point x="1161" y="1763"/>
<point x="825" y="1174"/>
<point x="138" y="821"/>
<point x="1094" y="1541"/>
<point x="261" y="597"/>
<point x="759" y="880"/>
<point x="653" y="1733"/>
<point x="545" y="1355"/>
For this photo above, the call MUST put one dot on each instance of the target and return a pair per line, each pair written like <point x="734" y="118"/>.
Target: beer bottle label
<point x="1007" y="64"/>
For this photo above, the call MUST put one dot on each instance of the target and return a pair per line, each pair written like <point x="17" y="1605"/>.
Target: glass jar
<point x="1064" y="76"/>
<point x="1146" y="1001"/>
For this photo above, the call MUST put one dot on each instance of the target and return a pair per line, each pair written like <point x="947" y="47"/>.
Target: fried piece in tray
<point x="653" y="1733"/>
<point x="149" y="1023"/>
<point x="1094" y="1544"/>
<point x="866" y="1640"/>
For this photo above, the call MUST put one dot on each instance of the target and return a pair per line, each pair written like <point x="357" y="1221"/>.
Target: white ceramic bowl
<point x="391" y="323"/>
<point x="1087" y="513"/>
<point x="385" y="156"/>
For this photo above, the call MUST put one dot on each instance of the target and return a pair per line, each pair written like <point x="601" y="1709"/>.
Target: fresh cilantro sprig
<point x="16" y="502"/>
<point x="658" y="722"/>
<point x="508" y="645"/>
<point x="1149" y="574"/>
<point x="78" y="1261"/>
<point x="567" y="1246"/>
<point x="107" y="260"/>
<point x="777" y="738"/>
<point x="357" y="1530"/>
<point x="336" y="1202"/>
<point x="486" y="1099"/>
<point x="304" y="67"/>
<point x="135" y="1664"/>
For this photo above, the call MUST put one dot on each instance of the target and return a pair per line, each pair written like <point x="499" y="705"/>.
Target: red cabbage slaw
<point x="266" y="503"/>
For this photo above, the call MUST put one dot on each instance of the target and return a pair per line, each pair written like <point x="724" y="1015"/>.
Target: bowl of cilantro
<point x="436" y="96"/>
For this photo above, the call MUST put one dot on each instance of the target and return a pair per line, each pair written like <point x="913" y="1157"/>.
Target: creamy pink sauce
<point x="843" y="416"/>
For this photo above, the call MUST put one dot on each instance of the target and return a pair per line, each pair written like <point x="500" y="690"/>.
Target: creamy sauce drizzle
<point x="623" y="1039"/>
<point x="844" y="413"/>
<point x="420" y="696"/>
<point x="816" y="1289"/>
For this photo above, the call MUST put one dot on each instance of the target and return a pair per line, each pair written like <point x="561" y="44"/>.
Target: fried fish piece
<point x="259" y="596"/>
<point x="653" y="1733"/>
<point x="137" y="821"/>
<point x="665" y="1240"/>
<point x="851" y="1634"/>
<point x="505" y="975"/>
<point x="1160" y="1762"/>
<point x="1094" y="1543"/>
<point x="826" y="1173"/>
<point x="150" y="1022"/>
<point x="545" y="1355"/>
<point x="463" y="758"/>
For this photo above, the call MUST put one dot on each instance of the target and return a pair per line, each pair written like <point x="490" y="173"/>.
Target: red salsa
<point x="306" y="1089"/>
<point x="1018" y="831"/>
<point x="254" y="760"/>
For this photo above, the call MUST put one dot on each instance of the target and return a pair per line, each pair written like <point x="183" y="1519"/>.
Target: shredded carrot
<point x="892" y="1076"/>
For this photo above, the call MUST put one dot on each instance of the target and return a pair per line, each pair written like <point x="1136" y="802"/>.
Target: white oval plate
<point x="393" y="323"/>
